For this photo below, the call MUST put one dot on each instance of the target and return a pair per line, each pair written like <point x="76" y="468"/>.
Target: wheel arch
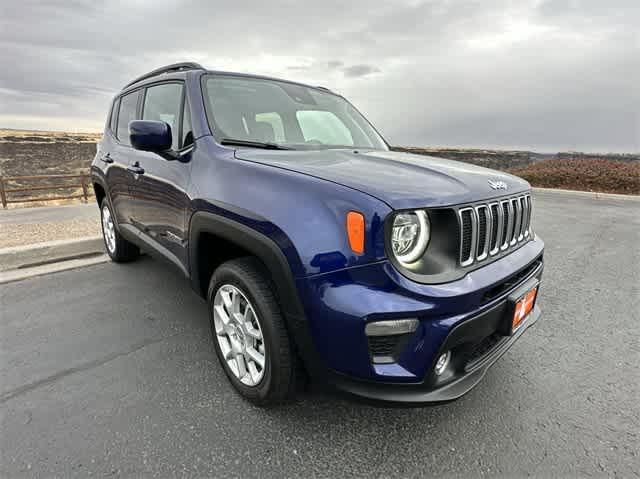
<point x="253" y="242"/>
<point x="99" y="186"/>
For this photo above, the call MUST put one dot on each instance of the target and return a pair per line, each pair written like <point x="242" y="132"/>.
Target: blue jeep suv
<point x="322" y="254"/>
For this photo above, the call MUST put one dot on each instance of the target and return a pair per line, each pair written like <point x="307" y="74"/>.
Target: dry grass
<point x="601" y="175"/>
<point x="37" y="136"/>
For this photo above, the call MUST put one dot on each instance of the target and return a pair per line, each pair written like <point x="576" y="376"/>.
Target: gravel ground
<point x="22" y="234"/>
<point x="35" y="225"/>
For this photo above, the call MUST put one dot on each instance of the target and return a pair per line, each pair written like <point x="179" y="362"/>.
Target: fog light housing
<point x="391" y="327"/>
<point x="442" y="363"/>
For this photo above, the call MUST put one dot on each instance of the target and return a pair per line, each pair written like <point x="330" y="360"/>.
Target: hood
<point x="401" y="180"/>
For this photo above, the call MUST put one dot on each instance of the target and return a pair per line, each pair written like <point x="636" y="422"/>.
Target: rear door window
<point x="127" y="112"/>
<point x="164" y="103"/>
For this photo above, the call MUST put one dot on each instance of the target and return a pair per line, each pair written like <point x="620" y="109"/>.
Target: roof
<point x="188" y="66"/>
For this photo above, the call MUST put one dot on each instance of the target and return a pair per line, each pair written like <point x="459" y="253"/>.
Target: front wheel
<point x="119" y="249"/>
<point x="249" y="333"/>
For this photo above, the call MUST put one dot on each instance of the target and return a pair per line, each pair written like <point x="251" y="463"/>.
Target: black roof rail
<point x="323" y="88"/>
<point x="175" y="67"/>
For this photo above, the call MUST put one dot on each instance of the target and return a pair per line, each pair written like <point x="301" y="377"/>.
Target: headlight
<point x="410" y="235"/>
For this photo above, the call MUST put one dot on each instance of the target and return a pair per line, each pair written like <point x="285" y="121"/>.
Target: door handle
<point x="106" y="158"/>
<point x="136" y="169"/>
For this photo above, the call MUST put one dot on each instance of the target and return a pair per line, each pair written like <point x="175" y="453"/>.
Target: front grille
<point x="487" y="229"/>
<point x="467" y="219"/>
<point x="483" y="226"/>
<point x="495" y="213"/>
<point x="511" y="281"/>
<point x="507" y="224"/>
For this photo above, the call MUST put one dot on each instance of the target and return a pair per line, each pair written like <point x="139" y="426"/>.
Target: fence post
<point x="3" y="195"/>
<point x="84" y="188"/>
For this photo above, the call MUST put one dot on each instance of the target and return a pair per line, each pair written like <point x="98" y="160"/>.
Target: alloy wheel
<point x="108" y="229"/>
<point x="239" y="335"/>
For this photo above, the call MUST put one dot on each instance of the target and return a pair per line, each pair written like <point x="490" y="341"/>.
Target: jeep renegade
<point x="322" y="254"/>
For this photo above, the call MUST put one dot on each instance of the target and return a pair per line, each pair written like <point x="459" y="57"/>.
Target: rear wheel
<point x="249" y="333"/>
<point x="119" y="249"/>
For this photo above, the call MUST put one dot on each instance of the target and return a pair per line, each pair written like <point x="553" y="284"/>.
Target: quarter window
<point x="127" y="112"/>
<point x="163" y="103"/>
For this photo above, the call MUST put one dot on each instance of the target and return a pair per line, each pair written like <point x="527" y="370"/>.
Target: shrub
<point x="605" y="176"/>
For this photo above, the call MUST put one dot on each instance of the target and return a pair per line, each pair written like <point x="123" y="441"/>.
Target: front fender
<point x="305" y="216"/>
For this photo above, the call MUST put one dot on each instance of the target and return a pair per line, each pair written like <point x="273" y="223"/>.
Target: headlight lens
<point x="410" y="235"/>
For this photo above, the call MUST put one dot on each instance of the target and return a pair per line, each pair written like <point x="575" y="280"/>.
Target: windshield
<point x="285" y="114"/>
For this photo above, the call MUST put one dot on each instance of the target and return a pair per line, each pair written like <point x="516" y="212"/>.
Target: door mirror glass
<point x="149" y="135"/>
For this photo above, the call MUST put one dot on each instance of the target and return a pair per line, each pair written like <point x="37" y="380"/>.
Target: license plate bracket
<point x="519" y="305"/>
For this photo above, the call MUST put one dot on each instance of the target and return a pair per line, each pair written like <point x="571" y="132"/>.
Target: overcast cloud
<point x="543" y="75"/>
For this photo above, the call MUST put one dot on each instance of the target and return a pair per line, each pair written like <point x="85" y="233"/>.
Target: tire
<point x="119" y="249"/>
<point x="279" y="378"/>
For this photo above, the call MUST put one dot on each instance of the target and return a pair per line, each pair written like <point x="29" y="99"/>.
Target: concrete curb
<point x="37" y="254"/>
<point x="64" y="265"/>
<point x="588" y="194"/>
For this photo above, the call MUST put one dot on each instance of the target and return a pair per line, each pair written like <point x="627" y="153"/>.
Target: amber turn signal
<point x="355" y="231"/>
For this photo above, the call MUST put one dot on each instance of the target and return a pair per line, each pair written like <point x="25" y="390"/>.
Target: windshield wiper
<point x="253" y="144"/>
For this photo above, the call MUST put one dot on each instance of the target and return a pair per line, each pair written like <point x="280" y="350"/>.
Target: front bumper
<point x="426" y="393"/>
<point x="462" y="316"/>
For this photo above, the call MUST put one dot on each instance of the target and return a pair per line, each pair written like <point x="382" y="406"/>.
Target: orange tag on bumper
<point x="524" y="307"/>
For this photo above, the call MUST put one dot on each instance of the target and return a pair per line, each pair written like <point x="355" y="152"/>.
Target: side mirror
<point x="147" y="135"/>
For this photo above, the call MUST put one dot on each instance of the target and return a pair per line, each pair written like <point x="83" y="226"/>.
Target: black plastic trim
<point x="97" y="176"/>
<point x="151" y="246"/>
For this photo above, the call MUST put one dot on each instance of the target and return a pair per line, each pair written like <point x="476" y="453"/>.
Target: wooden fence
<point x="55" y="183"/>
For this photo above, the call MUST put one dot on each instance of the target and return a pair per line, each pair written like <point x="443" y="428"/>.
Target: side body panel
<point x="161" y="201"/>
<point x="110" y="165"/>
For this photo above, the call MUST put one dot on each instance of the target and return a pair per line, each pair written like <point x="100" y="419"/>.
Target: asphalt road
<point x="109" y="371"/>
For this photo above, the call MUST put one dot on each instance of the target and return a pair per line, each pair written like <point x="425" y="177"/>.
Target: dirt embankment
<point x="49" y="153"/>
<point x="30" y="153"/>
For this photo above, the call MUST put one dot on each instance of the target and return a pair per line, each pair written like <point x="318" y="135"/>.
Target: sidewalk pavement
<point x="43" y="240"/>
<point x="24" y="226"/>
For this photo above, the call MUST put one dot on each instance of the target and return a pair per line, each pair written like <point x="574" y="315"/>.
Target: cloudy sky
<point x="543" y="75"/>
